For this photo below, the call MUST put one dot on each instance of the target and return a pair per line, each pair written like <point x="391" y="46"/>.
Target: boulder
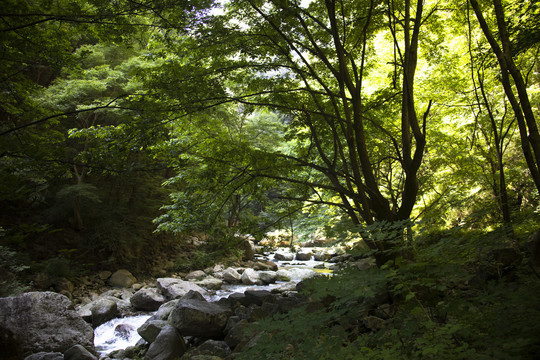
<point x="147" y="300"/>
<point x="265" y="265"/>
<point x="250" y="277"/>
<point x="257" y="297"/>
<point x="322" y="256"/>
<point x="168" y="345"/>
<point x="238" y="334"/>
<point x="122" y="279"/>
<point x="268" y="277"/>
<point x="103" y="310"/>
<point x="43" y="321"/>
<point x="42" y="355"/>
<point x="151" y="329"/>
<point x="231" y="276"/>
<point x="78" y="352"/>
<point x="195" y="275"/>
<point x="340" y="258"/>
<point x="214" y="348"/>
<point x="303" y="255"/>
<point x="210" y="283"/>
<point x="283" y="256"/>
<point x="165" y="310"/>
<point x="200" y="318"/>
<point x="173" y="288"/>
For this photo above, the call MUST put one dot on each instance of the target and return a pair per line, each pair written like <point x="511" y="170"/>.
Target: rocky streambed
<point x="204" y="312"/>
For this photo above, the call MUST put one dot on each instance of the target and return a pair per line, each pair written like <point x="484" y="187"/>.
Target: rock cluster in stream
<point x="185" y="324"/>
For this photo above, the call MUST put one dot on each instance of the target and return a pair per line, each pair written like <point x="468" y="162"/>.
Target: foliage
<point x="433" y="309"/>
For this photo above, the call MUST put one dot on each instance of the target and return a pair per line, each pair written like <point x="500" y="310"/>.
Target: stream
<point x="121" y="333"/>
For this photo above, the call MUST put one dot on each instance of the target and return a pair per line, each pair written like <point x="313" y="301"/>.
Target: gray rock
<point x="151" y="329"/>
<point x="265" y="265"/>
<point x="238" y="334"/>
<point x="250" y="277"/>
<point x="322" y="256"/>
<point x="165" y="310"/>
<point x="283" y="256"/>
<point x="45" y="356"/>
<point x="212" y="348"/>
<point x="257" y="297"/>
<point x="195" y="275"/>
<point x="303" y="256"/>
<point x="44" y="321"/>
<point x="268" y="277"/>
<point x="210" y="283"/>
<point x="173" y="288"/>
<point x="103" y="310"/>
<point x="122" y="279"/>
<point x="200" y="318"/>
<point x="78" y="352"/>
<point x="168" y="345"/>
<point x="231" y="276"/>
<point x="147" y="300"/>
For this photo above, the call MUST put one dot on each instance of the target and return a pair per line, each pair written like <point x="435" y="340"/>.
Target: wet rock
<point x="231" y="276"/>
<point x="200" y="318"/>
<point x="265" y="265"/>
<point x="147" y="299"/>
<point x="168" y="345"/>
<point x="295" y="274"/>
<point x="210" y="283"/>
<point x="268" y="277"/>
<point x="173" y="288"/>
<point x="303" y="255"/>
<point x="43" y="322"/>
<point x="123" y="331"/>
<point x="250" y="277"/>
<point x="122" y="279"/>
<point x="103" y="310"/>
<point x="151" y="329"/>
<point x="283" y="256"/>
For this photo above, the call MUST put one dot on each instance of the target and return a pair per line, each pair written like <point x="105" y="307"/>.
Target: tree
<point x="514" y="85"/>
<point x="314" y="63"/>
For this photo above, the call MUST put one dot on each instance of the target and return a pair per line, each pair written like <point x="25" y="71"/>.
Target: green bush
<point x="435" y="310"/>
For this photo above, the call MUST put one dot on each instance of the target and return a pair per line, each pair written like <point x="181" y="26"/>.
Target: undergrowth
<point x="435" y="307"/>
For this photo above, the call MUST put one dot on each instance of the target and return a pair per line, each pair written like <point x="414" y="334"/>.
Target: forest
<point x="402" y="130"/>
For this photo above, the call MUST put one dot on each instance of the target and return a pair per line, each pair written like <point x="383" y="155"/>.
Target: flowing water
<point x="121" y="333"/>
<point x="118" y="334"/>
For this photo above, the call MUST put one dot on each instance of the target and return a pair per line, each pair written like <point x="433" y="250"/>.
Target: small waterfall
<point x="118" y="334"/>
